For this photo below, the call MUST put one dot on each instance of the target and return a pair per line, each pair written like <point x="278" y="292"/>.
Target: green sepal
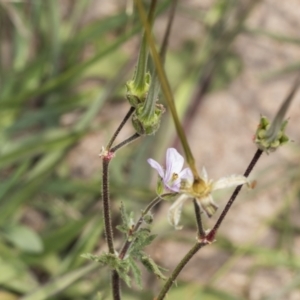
<point x="169" y="196"/>
<point x="159" y="186"/>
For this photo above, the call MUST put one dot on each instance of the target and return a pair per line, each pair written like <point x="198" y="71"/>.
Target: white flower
<point x="182" y="181"/>
<point x="204" y="199"/>
<point x="173" y="176"/>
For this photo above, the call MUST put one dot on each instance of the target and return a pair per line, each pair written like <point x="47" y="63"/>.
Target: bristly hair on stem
<point x="106" y="206"/>
<point x="116" y="289"/>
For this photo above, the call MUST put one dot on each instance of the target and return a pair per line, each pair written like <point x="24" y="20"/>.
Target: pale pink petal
<point x="155" y="165"/>
<point x="187" y="175"/>
<point x="174" y="163"/>
<point x="174" y="212"/>
<point x="174" y="185"/>
<point x="230" y="181"/>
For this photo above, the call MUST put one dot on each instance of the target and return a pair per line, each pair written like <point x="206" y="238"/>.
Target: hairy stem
<point x="106" y="205"/>
<point x="116" y="285"/>
<point x="108" y="224"/>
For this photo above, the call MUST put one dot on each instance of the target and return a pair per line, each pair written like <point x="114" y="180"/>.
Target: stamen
<point x="174" y="176"/>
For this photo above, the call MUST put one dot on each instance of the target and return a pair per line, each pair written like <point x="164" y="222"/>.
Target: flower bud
<point x="148" y="218"/>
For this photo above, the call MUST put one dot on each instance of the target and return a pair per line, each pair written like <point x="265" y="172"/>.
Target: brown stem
<point x="126" y="142"/>
<point x="106" y="206"/>
<point x="115" y="285"/>
<point x="108" y="223"/>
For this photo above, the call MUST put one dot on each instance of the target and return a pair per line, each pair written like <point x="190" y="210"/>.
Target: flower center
<point x="174" y="176"/>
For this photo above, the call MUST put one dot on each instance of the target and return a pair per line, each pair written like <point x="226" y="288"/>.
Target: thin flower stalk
<point x="126" y="118"/>
<point x="134" y="137"/>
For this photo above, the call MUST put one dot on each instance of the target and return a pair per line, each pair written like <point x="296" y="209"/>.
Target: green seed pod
<point x="137" y="94"/>
<point x="147" y="125"/>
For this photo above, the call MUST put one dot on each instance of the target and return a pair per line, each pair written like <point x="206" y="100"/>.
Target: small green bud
<point x="148" y="218"/>
<point x="262" y="136"/>
<point x="147" y="125"/>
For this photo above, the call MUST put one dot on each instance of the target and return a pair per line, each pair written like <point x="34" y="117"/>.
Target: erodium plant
<point x="176" y="184"/>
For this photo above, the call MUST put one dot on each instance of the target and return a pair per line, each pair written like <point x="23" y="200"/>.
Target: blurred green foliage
<point x="56" y="61"/>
